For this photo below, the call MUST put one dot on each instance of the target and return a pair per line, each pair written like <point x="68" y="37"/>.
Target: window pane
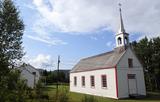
<point x="131" y="76"/>
<point x="104" y="81"/>
<point x="130" y="63"/>
<point x="92" y="81"/>
<point x="83" y="81"/>
<point x="75" y="81"/>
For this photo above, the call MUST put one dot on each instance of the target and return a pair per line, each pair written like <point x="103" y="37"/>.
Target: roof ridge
<point x="98" y="55"/>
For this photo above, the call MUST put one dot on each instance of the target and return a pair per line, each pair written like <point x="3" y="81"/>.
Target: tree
<point x="144" y="52"/>
<point x="155" y="61"/>
<point x="11" y="50"/>
<point x="11" y="32"/>
<point x="148" y="51"/>
<point x="62" y="77"/>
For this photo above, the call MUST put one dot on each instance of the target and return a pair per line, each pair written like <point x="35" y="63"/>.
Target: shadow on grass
<point x="151" y="96"/>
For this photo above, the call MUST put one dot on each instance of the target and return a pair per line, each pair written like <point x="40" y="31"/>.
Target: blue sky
<point x="80" y="28"/>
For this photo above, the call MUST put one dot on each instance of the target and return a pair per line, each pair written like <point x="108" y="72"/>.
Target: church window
<point x="34" y="73"/>
<point x="92" y="81"/>
<point x="104" y="81"/>
<point x="75" y="81"/>
<point x="130" y="63"/>
<point x="83" y="80"/>
<point x="131" y="76"/>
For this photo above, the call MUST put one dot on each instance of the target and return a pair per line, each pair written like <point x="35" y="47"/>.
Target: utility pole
<point x="57" y="75"/>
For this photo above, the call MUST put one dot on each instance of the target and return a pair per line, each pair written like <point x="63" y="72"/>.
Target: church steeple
<point x="122" y="38"/>
<point x="121" y="28"/>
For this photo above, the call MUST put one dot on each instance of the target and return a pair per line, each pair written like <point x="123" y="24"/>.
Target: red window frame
<point x="104" y="81"/>
<point x="75" y="81"/>
<point x="92" y="80"/>
<point x="130" y="62"/>
<point x="83" y="80"/>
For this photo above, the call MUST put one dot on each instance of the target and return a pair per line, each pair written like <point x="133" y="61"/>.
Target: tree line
<point x="51" y="77"/>
<point x="148" y="52"/>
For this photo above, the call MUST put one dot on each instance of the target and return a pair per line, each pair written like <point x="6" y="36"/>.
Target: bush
<point x="38" y="94"/>
<point x="12" y="88"/>
<point x="38" y="89"/>
<point x="62" y="95"/>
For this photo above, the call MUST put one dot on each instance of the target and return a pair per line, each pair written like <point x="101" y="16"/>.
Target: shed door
<point x="132" y="84"/>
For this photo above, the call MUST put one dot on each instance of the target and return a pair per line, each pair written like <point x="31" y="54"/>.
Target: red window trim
<point x="102" y="83"/>
<point x="92" y="84"/>
<point x="83" y="81"/>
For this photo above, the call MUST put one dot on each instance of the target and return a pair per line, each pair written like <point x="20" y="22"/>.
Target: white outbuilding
<point x="30" y="74"/>
<point x="115" y="74"/>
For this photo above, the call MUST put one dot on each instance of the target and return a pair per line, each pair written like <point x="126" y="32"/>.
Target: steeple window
<point x="119" y="40"/>
<point x="126" y="40"/>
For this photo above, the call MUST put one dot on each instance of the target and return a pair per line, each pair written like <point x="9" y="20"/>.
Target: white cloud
<point x="47" y="41"/>
<point x="74" y="16"/>
<point x="89" y="15"/>
<point x="29" y="6"/>
<point x="48" y="62"/>
<point x="40" y="61"/>
<point x="43" y="33"/>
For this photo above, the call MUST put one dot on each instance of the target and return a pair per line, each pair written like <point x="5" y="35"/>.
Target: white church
<point x="116" y="74"/>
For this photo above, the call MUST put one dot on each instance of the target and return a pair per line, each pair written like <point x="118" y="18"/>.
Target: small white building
<point x="30" y="74"/>
<point x="115" y="74"/>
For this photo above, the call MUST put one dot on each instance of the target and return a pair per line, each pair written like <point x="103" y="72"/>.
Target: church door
<point x="132" y="84"/>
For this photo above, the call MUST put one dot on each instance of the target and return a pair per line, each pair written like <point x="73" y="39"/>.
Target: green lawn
<point x="77" y="97"/>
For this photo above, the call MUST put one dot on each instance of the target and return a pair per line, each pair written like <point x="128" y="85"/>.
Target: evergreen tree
<point x="11" y="50"/>
<point x="148" y="51"/>
<point x="155" y="61"/>
<point x="11" y="32"/>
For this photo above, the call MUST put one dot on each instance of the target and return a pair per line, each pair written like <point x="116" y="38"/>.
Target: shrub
<point x="12" y="88"/>
<point x="38" y="94"/>
<point x="62" y="95"/>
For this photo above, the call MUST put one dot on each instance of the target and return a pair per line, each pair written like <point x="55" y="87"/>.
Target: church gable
<point x="129" y="60"/>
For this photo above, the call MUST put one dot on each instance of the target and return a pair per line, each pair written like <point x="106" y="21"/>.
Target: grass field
<point x="77" y="97"/>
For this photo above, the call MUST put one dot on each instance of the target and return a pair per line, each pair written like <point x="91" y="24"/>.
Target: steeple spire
<point x="121" y="28"/>
<point x="122" y="38"/>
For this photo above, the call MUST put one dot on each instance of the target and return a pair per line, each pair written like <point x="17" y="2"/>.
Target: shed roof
<point x="28" y="68"/>
<point x="104" y="60"/>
